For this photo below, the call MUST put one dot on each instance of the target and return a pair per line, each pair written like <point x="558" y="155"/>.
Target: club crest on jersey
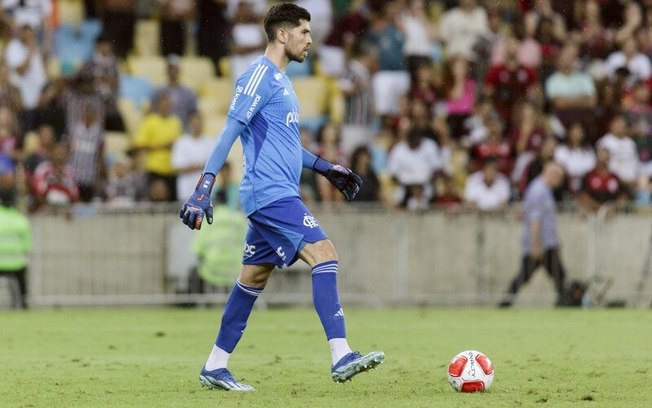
<point x="291" y="117"/>
<point x="310" y="221"/>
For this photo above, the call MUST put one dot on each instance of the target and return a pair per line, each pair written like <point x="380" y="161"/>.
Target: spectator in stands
<point x="156" y="135"/>
<point x="420" y="35"/>
<point x="189" y="154"/>
<point x="328" y="147"/>
<point x="535" y="166"/>
<point x="79" y="95"/>
<point x="623" y="158"/>
<point x="550" y="48"/>
<point x="258" y="7"/>
<point x="124" y="185"/>
<point x="459" y="91"/>
<point x="42" y="151"/>
<point x="355" y="84"/>
<point x="462" y="26"/>
<point x="413" y="165"/>
<point x="576" y="156"/>
<point x="601" y="189"/>
<point x="540" y="242"/>
<point x="543" y="10"/>
<point x="86" y="141"/>
<point x="495" y="146"/>
<point x="632" y="20"/>
<point x="629" y="56"/>
<point x="527" y="134"/>
<point x="344" y="38"/>
<point x="182" y="98"/>
<point x="596" y="40"/>
<point x="476" y="126"/>
<point x="247" y="39"/>
<point x="10" y="139"/>
<point x="487" y="190"/>
<point x="15" y="233"/>
<point x="54" y="183"/>
<point x="639" y="115"/>
<point x="175" y="18"/>
<point x="510" y="83"/>
<point x="386" y="37"/>
<point x="35" y="13"/>
<point x="571" y="92"/>
<point x="24" y="57"/>
<point x="321" y="19"/>
<point x="212" y="31"/>
<point x="10" y="96"/>
<point x="52" y="105"/>
<point x="119" y="16"/>
<point x="103" y="67"/>
<point x="362" y="166"/>
<point x="422" y="84"/>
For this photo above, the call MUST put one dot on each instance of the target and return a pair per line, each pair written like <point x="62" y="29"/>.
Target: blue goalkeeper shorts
<point x="279" y="231"/>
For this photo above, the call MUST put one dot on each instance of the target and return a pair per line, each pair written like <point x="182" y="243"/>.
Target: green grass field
<point x="151" y="358"/>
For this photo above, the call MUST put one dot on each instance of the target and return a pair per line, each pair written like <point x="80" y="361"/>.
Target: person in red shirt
<point x="511" y="82"/>
<point x="495" y="146"/>
<point x="54" y="181"/>
<point x="601" y="189"/>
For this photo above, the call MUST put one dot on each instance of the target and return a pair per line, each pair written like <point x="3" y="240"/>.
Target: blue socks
<point x="325" y="299"/>
<point x="236" y="312"/>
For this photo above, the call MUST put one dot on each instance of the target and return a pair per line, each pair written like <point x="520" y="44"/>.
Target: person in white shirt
<point x="189" y="154"/>
<point x="487" y="189"/>
<point x="26" y="72"/>
<point x="576" y="157"/>
<point x="624" y="161"/>
<point x="461" y="27"/>
<point x="629" y="56"/>
<point x="413" y="164"/>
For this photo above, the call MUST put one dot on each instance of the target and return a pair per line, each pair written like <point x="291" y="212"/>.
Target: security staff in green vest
<point x="15" y="232"/>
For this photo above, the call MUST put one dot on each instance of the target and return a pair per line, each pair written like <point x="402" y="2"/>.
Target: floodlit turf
<point x="152" y="357"/>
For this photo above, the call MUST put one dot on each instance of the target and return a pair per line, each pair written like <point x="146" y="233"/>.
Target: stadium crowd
<point x="453" y="104"/>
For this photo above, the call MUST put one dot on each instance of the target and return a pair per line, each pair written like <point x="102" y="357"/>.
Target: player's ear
<point x="282" y="35"/>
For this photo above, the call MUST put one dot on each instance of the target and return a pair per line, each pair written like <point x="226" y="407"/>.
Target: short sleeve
<point x="252" y="90"/>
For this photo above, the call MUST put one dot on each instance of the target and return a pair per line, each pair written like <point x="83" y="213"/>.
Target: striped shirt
<point x="86" y="146"/>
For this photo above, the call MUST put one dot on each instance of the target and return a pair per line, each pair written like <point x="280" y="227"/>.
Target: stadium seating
<point x="131" y="114"/>
<point x="70" y="11"/>
<point x="151" y="67"/>
<point x="74" y="43"/>
<point x="218" y="90"/>
<point x="136" y="89"/>
<point x="147" y="38"/>
<point x="115" y="144"/>
<point x="196" y="70"/>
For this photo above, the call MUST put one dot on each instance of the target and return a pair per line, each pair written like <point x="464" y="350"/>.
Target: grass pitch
<point x="152" y="357"/>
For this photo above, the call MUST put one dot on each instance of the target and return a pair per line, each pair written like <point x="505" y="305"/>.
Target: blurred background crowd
<point x="436" y="104"/>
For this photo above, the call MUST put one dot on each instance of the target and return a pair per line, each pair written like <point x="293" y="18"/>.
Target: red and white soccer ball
<point x="470" y="371"/>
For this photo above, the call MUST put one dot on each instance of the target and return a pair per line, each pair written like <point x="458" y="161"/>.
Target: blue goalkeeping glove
<point x="199" y="203"/>
<point x="345" y="180"/>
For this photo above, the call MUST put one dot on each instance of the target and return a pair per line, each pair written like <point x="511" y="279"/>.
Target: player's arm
<point x="200" y="202"/>
<point x="345" y="180"/>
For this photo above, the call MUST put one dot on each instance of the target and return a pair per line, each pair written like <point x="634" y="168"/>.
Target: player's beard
<point x="298" y="57"/>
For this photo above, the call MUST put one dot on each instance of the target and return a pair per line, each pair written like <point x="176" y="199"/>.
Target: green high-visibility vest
<point x="15" y="239"/>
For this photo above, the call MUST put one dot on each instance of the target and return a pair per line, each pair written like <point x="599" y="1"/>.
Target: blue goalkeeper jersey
<point x="265" y="102"/>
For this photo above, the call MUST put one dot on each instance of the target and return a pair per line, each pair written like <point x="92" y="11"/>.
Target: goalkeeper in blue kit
<point x="264" y="112"/>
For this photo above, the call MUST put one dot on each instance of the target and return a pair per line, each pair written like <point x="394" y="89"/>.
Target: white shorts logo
<point x="281" y="253"/>
<point x="310" y="221"/>
<point x="249" y="250"/>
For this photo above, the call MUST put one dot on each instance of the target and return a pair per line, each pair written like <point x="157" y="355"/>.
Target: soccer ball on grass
<point x="470" y="371"/>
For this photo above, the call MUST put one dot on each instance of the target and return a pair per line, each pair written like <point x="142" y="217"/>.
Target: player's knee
<point x="318" y="252"/>
<point x="255" y="276"/>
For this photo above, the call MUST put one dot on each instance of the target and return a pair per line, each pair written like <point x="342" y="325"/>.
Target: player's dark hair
<point x="283" y="15"/>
